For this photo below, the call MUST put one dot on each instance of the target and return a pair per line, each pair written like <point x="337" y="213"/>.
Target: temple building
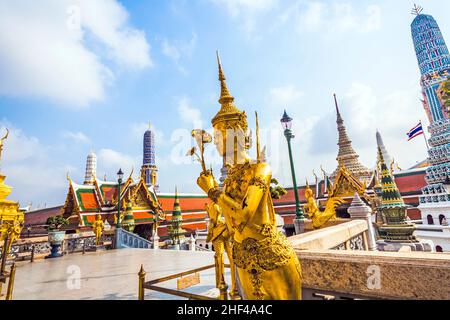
<point x="94" y="196"/>
<point x="434" y="63"/>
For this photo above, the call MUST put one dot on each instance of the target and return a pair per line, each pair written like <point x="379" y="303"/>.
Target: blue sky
<point x="80" y="75"/>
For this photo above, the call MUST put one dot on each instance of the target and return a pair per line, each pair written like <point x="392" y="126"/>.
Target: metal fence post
<point x="4" y="255"/>
<point x="12" y="275"/>
<point x="32" y="252"/>
<point x="141" y="275"/>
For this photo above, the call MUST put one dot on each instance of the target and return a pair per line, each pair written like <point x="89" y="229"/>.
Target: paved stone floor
<point x="110" y="275"/>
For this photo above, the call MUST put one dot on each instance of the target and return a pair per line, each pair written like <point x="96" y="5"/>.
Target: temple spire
<point x="225" y="95"/>
<point x="338" y="113"/>
<point x="176" y="205"/>
<point x="380" y="144"/>
<point x="347" y="157"/>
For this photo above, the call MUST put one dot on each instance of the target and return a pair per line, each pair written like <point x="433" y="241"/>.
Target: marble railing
<point x="125" y="239"/>
<point x="39" y="247"/>
<point x="350" y="235"/>
<point x="353" y="272"/>
<point x="343" y="275"/>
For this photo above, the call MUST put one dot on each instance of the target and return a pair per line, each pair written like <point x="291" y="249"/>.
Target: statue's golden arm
<point x="243" y="211"/>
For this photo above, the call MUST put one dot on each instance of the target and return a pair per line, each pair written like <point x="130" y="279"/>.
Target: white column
<point x="360" y="211"/>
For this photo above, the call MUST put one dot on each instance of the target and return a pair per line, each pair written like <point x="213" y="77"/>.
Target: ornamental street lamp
<point x="120" y="177"/>
<point x="299" y="221"/>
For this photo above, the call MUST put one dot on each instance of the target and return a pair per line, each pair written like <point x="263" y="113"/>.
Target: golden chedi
<point x="11" y="218"/>
<point x="267" y="266"/>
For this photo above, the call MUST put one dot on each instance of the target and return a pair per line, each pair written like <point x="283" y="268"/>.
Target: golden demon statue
<point x="319" y="218"/>
<point x="98" y="227"/>
<point x="221" y="238"/>
<point x="267" y="266"/>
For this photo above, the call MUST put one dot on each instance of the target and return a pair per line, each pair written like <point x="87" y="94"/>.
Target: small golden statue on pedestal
<point x="267" y="266"/>
<point x="320" y="218"/>
<point x="97" y="226"/>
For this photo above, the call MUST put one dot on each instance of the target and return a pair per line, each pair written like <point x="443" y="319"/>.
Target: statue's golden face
<point x="227" y="141"/>
<point x="219" y="141"/>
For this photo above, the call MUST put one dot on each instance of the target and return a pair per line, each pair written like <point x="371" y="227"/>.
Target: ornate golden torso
<point x="263" y="255"/>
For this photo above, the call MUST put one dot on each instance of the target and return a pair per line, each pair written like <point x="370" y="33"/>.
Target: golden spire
<point x="228" y="112"/>
<point x="225" y="95"/>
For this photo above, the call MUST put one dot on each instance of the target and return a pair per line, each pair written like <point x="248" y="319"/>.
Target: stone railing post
<point x="360" y="211"/>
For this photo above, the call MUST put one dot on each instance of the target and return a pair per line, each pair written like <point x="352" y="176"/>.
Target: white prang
<point x="91" y="169"/>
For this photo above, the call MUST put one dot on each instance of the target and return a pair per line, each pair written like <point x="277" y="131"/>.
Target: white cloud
<point x="326" y="17"/>
<point x="31" y="170"/>
<point x="46" y="49"/>
<point x="246" y="7"/>
<point x="285" y="96"/>
<point x="189" y="114"/>
<point x="77" y="137"/>
<point x="247" y="11"/>
<point x="312" y="18"/>
<point x="179" y="50"/>
<point x="111" y="161"/>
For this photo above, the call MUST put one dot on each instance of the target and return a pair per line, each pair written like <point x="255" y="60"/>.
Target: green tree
<point x="276" y="191"/>
<point x="56" y="222"/>
<point x="445" y="94"/>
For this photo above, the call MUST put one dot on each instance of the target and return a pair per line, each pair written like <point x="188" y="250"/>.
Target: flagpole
<point x="425" y="137"/>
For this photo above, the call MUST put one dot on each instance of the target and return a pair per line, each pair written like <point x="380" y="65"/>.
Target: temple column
<point x="360" y="211"/>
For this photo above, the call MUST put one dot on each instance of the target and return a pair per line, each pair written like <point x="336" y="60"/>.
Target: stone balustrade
<point x="336" y="237"/>
<point x="125" y="239"/>
<point x="336" y="275"/>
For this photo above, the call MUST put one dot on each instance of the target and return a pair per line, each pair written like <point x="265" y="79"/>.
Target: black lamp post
<point x="120" y="177"/>
<point x="286" y="122"/>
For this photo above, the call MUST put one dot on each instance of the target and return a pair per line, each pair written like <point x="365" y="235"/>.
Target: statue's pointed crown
<point x="228" y="113"/>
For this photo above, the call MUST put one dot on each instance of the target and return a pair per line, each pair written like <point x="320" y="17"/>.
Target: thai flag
<point x="415" y="132"/>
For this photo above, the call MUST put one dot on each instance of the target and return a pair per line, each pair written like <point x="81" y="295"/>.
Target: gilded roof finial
<point x="416" y="10"/>
<point x="225" y="95"/>
<point x="228" y="112"/>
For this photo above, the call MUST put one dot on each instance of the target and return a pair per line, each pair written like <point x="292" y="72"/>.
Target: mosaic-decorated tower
<point x="91" y="169"/>
<point x="149" y="169"/>
<point x="434" y="63"/>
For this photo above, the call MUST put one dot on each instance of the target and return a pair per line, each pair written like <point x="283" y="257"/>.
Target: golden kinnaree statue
<point x="267" y="266"/>
<point x="98" y="227"/>
<point x="319" y="218"/>
<point x="221" y="237"/>
<point x="11" y="218"/>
